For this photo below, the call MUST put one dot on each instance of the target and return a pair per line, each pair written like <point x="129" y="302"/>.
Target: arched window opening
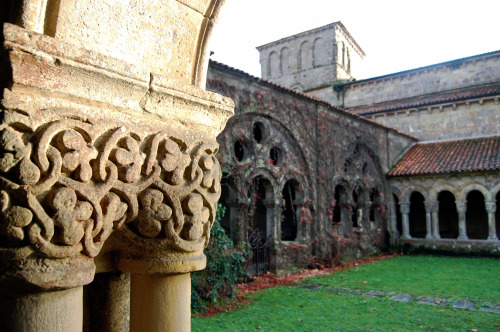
<point x="336" y="212"/>
<point x="258" y="132"/>
<point x="320" y="54"/>
<point x="285" y="61"/>
<point x="448" y="216"/>
<point x="274" y="65"/>
<point x="418" y="227"/>
<point x="239" y="150"/>
<point x="275" y="155"/>
<point x="373" y="203"/>
<point x="476" y="216"/>
<point x="399" y="216"/>
<point x="305" y="56"/>
<point x="354" y="211"/>
<point x="289" y="213"/>
<point x="261" y="215"/>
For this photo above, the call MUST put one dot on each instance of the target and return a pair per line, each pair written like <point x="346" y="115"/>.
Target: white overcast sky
<point x="396" y="35"/>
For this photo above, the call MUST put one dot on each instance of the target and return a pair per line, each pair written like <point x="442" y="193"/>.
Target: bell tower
<point x="312" y="61"/>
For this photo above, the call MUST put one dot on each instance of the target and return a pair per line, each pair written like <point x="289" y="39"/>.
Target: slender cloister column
<point x="433" y="207"/>
<point x="491" y="208"/>
<point x="462" y="225"/>
<point x="405" y="211"/>
<point x="428" y="220"/>
<point x="394" y="220"/>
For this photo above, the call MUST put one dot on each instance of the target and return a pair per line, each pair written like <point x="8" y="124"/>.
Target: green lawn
<point x="297" y="309"/>
<point x="476" y="279"/>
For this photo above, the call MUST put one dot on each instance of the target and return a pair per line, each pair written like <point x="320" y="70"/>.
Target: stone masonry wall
<point x="320" y="147"/>
<point x="456" y="74"/>
<point x="452" y="121"/>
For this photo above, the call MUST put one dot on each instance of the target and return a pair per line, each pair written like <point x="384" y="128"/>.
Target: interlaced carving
<point x="65" y="186"/>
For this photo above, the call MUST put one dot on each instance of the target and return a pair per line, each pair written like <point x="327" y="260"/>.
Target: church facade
<point x="328" y="167"/>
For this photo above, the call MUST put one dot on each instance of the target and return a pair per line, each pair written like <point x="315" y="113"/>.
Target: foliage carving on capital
<point x="66" y="185"/>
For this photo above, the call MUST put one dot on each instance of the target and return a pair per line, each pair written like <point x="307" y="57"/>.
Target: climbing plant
<point x="225" y="268"/>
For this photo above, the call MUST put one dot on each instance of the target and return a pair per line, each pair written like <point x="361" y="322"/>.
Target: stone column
<point x="103" y="139"/>
<point x="272" y="227"/>
<point x="432" y="209"/>
<point x="301" y="221"/>
<point x="58" y="311"/>
<point x="405" y="211"/>
<point x="491" y="208"/>
<point x="160" y="303"/>
<point x="428" y="220"/>
<point x="462" y="226"/>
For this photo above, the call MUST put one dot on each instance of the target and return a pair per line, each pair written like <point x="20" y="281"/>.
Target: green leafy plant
<point x="225" y="268"/>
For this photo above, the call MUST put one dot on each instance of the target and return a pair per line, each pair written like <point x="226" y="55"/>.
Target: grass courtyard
<point x="359" y="299"/>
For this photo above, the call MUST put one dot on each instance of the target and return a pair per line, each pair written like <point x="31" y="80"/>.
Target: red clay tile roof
<point x="430" y="99"/>
<point x="463" y="156"/>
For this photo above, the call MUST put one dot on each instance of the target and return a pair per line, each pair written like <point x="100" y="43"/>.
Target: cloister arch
<point x="417" y="215"/>
<point x="474" y="186"/>
<point x="447" y="214"/>
<point x="476" y="216"/>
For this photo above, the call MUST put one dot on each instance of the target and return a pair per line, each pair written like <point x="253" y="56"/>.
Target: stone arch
<point x="447" y="213"/>
<point x="300" y="161"/>
<point x="495" y="190"/>
<point x="320" y="55"/>
<point x="375" y="208"/>
<point x="305" y="56"/>
<point x="274" y="67"/>
<point x="405" y="197"/>
<point x="474" y="186"/>
<point x="434" y="191"/>
<point x="476" y="217"/>
<point x="285" y="65"/>
<point x="341" y="210"/>
<point x="262" y="196"/>
<point x="417" y="215"/>
<point x="289" y="225"/>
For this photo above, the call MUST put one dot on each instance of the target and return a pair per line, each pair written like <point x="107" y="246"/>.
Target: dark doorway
<point x="448" y="216"/>
<point x="476" y="216"/>
<point x="417" y="215"/>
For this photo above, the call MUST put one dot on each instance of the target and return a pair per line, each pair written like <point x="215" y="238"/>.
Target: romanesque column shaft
<point x="491" y="208"/>
<point x="462" y="225"/>
<point x="405" y="211"/>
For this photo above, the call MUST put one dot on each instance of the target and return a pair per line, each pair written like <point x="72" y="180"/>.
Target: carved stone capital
<point x="431" y="206"/>
<point x="461" y="206"/>
<point x="80" y="163"/>
<point x="405" y="207"/>
<point x="491" y="207"/>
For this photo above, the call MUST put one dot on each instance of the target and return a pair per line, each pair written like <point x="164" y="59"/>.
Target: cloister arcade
<point x="459" y="208"/>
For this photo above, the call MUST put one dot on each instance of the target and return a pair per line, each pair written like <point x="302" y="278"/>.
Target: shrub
<point x="224" y="268"/>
